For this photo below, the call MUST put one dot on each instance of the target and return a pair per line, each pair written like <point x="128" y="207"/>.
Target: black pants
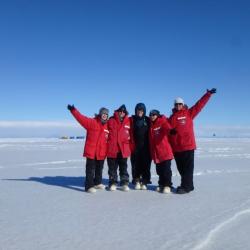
<point x="164" y="172"/>
<point x="185" y="165"/>
<point x="113" y="164"/>
<point x="141" y="162"/>
<point x="93" y="172"/>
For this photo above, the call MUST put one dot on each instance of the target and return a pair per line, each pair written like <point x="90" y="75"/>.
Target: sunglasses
<point x="176" y="104"/>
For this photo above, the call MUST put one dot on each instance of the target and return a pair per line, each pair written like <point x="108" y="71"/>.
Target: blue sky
<point x="106" y="53"/>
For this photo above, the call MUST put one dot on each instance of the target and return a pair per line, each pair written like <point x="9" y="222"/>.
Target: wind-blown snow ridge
<point x="220" y="155"/>
<point x="219" y="228"/>
<point x="50" y="162"/>
<point x="210" y="172"/>
<point x="56" y="168"/>
<point x="206" y="172"/>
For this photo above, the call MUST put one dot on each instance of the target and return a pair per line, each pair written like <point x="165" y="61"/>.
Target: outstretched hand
<point x="71" y="107"/>
<point x="212" y="91"/>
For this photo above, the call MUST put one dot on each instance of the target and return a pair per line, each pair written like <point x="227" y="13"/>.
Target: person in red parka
<point x="161" y="151"/>
<point x="95" y="149"/>
<point x="183" y="142"/>
<point x="119" y="148"/>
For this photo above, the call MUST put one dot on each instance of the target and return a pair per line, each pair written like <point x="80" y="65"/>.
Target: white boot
<point x="137" y="186"/>
<point x="125" y="188"/>
<point x="158" y="189"/>
<point x="112" y="187"/>
<point x="100" y="186"/>
<point x="166" y="190"/>
<point x="91" y="190"/>
<point x="143" y="187"/>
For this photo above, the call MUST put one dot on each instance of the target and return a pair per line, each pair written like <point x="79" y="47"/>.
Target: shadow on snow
<point x="74" y="183"/>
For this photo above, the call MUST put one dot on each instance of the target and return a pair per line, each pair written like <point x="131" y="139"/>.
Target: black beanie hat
<point x="154" y="112"/>
<point x="122" y="108"/>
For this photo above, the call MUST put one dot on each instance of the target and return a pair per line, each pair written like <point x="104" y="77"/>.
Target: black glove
<point x="212" y="91"/>
<point x="173" y="131"/>
<point x="71" y="107"/>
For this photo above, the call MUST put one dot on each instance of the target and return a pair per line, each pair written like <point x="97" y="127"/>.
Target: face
<point x="121" y="114"/>
<point x="139" y="112"/>
<point x="153" y="117"/>
<point x="179" y="106"/>
<point x="104" y="117"/>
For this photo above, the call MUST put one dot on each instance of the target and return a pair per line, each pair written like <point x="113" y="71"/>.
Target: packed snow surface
<point x="43" y="204"/>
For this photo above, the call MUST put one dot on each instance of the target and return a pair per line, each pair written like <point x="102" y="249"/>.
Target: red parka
<point x="119" y="136"/>
<point x="97" y="136"/>
<point x="182" y="120"/>
<point x="158" y="139"/>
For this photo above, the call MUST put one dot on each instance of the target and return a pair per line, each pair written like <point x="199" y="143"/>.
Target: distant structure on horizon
<point x="72" y="137"/>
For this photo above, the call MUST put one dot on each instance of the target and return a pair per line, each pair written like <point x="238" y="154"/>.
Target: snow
<point x="43" y="206"/>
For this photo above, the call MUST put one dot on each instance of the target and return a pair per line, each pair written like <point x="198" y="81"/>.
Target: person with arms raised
<point x="183" y="142"/>
<point x="95" y="149"/>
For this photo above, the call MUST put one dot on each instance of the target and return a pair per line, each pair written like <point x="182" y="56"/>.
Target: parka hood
<point x="140" y="106"/>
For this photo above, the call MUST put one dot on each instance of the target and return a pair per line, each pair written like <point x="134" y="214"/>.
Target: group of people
<point x="142" y="138"/>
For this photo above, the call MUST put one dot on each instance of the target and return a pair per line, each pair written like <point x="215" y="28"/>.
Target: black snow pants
<point x="93" y="172"/>
<point x="164" y="172"/>
<point x="140" y="163"/>
<point x="113" y="165"/>
<point x="185" y="165"/>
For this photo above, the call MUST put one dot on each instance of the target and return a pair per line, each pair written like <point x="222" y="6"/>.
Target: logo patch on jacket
<point x="182" y="120"/>
<point x="157" y="130"/>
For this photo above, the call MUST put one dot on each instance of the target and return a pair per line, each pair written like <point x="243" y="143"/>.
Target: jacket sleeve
<point x="82" y="119"/>
<point x="166" y="125"/>
<point x="195" y="110"/>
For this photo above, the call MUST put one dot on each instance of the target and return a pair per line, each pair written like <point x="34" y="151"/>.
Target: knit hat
<point x="122" y="108"/>
<point x="103" y="111"/>
<point x="179" y="100"/>
<point x="154" y="112"/>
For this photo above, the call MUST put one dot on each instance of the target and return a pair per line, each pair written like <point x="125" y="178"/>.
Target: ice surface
<point x="43" y="206"/>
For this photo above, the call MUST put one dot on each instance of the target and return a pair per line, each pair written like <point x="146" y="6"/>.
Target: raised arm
<point x="195" y="110"/>
<point x="85" y="121"/>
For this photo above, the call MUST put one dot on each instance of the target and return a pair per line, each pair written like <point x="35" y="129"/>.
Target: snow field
<point x="43" y="205"/>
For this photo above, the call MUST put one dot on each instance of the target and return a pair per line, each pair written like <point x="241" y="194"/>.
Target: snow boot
<point x="100" y="186"/>
<point x="125" y="188"/>
<point x="137" y="186"/>
<point x="91" y="190"/>
<point x="112" y="187"/>
<point x="144" y="187"/>
<point x="181" y="190"/>
<point x="166" y="190"/>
